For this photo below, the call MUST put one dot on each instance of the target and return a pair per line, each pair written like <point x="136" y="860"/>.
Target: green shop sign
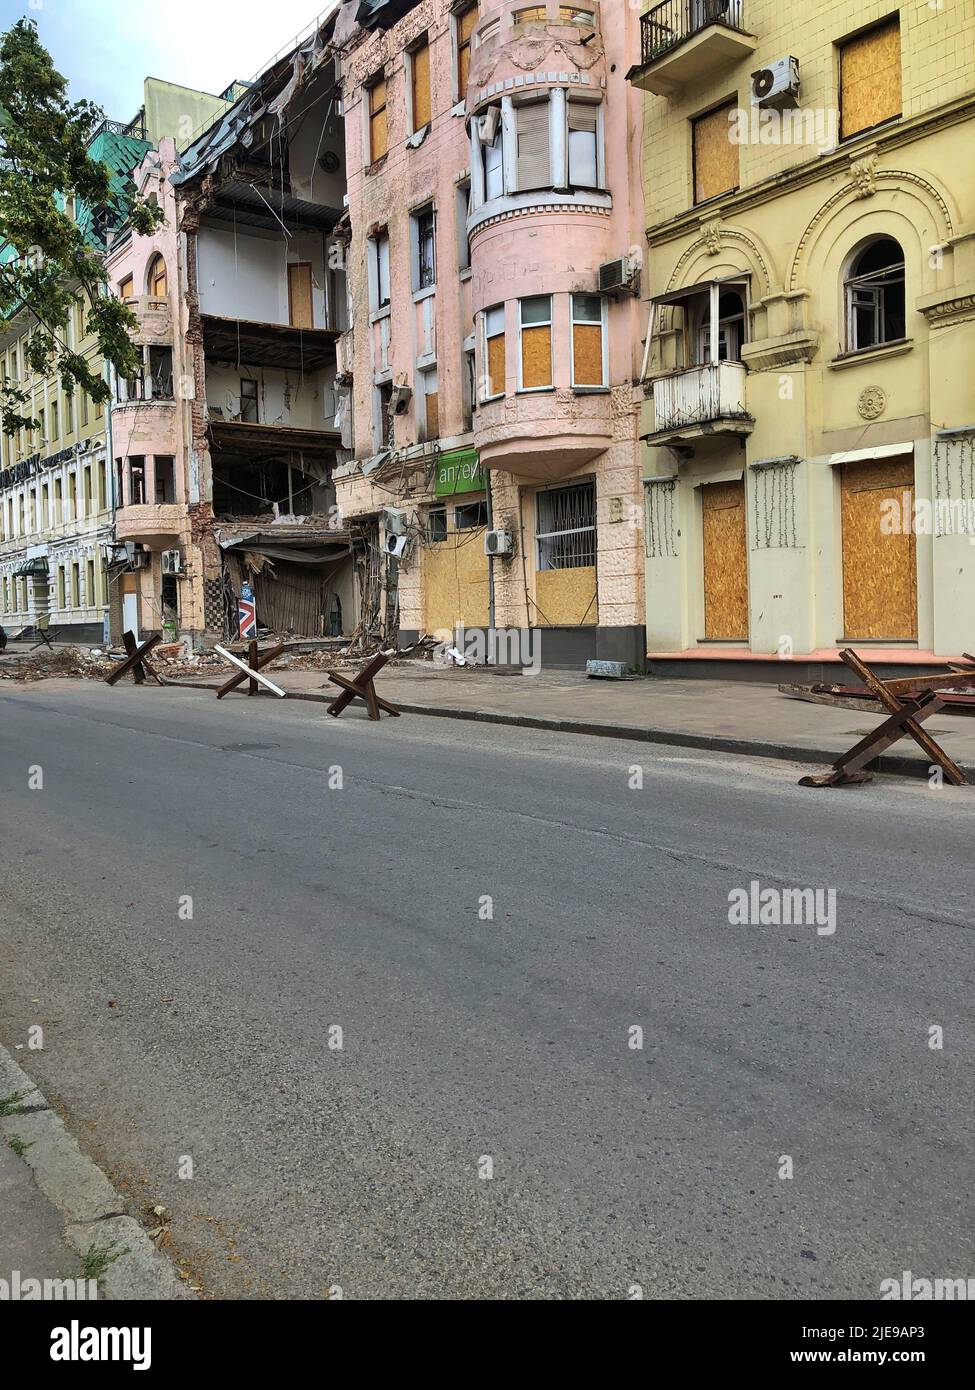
<point x="459" y="471"/>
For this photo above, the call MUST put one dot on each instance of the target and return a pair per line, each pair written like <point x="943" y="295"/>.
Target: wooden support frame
<point x="256" y="662"/>
<point x="362" y="688"/>
<point x="906" y="717"/>
<point x="251" y="672"/>
<point x="137" y="661"/>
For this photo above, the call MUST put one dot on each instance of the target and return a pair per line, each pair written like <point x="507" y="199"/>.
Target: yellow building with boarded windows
<point x="809" y="423"/>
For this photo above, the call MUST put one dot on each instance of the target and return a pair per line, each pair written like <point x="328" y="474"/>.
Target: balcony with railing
<point x="700" y="401"/>
<point x="683" y="41"/>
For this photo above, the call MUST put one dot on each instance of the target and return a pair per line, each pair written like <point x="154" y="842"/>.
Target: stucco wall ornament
<point x="872" y="402"/>
<point x="863" y="174"/>
<point x="711" y="236"/>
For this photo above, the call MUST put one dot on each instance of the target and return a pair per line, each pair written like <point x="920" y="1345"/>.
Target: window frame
<point x="250" y="397"/>
<point x="486" y="339"/>
<point x="418" y="220"/>
<point x="550" y="325"/>
<point x="890" y="20"/>
<point x="589" y="387"/>
<point x="421" y="44"/>
<point x="728" y="105"/>
<point x="599" y="149"/>
<point x="462" y="45"/>
<point x="852" y="284"/>
<point x="589" y="484"/>
<point x="379" y="80"/>
<point x="378" y="252"/>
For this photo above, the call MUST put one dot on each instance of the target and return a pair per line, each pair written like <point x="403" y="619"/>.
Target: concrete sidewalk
<point x="728" y="717"/>
<point x="31" y="1228"/>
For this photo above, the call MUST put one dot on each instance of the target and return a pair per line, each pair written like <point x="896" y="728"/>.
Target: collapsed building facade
<point x="225" y="446"/>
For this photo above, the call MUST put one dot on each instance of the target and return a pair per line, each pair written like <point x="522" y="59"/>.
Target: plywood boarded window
<point x="465" y="35"/>
<point x="879" y="560"/>
<point x="870" y="78"/>
<point x="715" y="156"/>
<point x="725" y="561"/>
<point x="378" y="125"/>
<point x="536" y="342"/>
<point x="533" y="145"/>
<point x="494" y="351"/>
<point x="420" y="84"/>
<point x="588" y="354"/>
<point x="299" y="295"/>
<point x="126" y="289"/>
<point x="431" y="397"/>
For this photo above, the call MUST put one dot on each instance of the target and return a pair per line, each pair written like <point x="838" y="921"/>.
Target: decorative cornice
<point x="772" y="354"/>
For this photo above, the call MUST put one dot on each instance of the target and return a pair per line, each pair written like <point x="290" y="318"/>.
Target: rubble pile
<point x="67" y="661"/>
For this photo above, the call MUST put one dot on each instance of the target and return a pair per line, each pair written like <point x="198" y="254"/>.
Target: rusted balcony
<point x="700" y="401"/>
<point x="683" y="41"/>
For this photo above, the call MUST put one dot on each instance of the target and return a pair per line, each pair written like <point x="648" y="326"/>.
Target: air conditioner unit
<point x="618" y="276"/>
<point x="394" y="521"/>
<point x="172" y="562"/>
<point x="396" y="546"/>
<point x="497" y="543"/>
<point x="399" y="400"/>
<point x="488" y="125"/>
<point x="777" y="85"/>
<point x="139" y="559"/>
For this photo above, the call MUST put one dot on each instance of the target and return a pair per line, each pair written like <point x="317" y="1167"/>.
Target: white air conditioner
<point x="497" y="543"/>
<point x="618" y="276"/>
<point x="394" y="521"/>
<point x="396" y="546"/>
<point x="488" y="125"/>
<point x="139" y="559"/>
<point x="777" y="85"/>
<point x="172" y="562"/>
<point x="399" y="400"/>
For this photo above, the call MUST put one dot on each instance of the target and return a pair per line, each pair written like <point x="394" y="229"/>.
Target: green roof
<point x="120" y="154"/>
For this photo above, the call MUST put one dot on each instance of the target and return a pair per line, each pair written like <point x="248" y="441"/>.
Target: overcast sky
<point x="105" y="48"/>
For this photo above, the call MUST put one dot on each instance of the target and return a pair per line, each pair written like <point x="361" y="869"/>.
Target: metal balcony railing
<point x="672" y="22"/>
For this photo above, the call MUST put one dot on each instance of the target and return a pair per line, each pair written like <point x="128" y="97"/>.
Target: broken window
<point x="583" y="143"/>
<point x="470" y="515"/>
<point x="437" y="525"/>
<point x="875" y="307"/>
<point x="165" y="478"/>
<point x="565" y="527"/>
<point x="425" y="256"/>
<point x="248" y="401"/>
<point x="137" y="480"/>
<point x="161" y="372"/>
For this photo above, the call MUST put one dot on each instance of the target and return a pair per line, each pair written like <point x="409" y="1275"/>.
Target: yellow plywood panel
<point x="496" y="365"/>
<point x="587" y="354"/>
<point x="299" y="295"/>
<point x="715" y="156"/>
<point x="870" y="78"/>
<point x="378" y="124"/>
<point x="567" y="598"/>
<point x="879" y="569"/>
<point x="421" y="86"/>
<point x="536" y="356"/>
<point x="455" y="582"/>
<point x="725" y="562"/>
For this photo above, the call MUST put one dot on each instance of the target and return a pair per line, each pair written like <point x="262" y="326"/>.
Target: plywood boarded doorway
<point x="879" y="559"/>
<point x="725" y="561"/>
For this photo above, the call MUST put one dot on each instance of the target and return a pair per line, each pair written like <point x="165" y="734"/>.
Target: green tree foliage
<point x="46" y="263"/>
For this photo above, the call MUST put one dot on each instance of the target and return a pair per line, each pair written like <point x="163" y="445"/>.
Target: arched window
<point x="158" y="288"/>
<point x="874" y="291"/>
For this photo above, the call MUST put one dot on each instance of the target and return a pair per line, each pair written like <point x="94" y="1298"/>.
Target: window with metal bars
<point x="565" y="527"/>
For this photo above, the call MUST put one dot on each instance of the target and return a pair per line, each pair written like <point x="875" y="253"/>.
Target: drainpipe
<point x="490" y="522"/>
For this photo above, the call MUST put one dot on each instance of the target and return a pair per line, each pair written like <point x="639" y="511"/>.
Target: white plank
<point x="255" y="675"/>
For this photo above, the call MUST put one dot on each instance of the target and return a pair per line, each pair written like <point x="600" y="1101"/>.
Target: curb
<point x="674" y="738"/>
<point x="94" y="1213"/>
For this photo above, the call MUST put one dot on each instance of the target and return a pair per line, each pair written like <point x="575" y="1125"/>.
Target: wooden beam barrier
<point x="255" y="663"/>
<point x="250" y="673"/>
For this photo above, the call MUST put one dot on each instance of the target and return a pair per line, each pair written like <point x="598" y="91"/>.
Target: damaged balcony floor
<point x="466" y="1039"/>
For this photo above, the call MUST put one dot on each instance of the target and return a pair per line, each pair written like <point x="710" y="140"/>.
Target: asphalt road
<point x="467" y="1038"/>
